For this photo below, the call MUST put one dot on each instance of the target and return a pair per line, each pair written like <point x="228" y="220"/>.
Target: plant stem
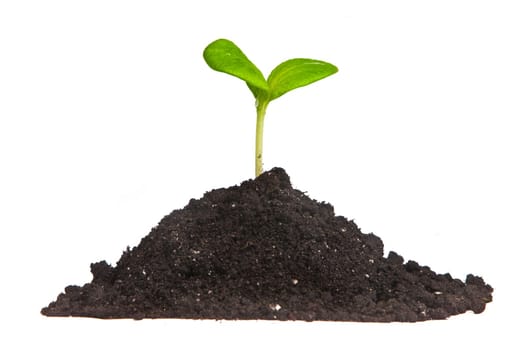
<point x="261" y="112"/>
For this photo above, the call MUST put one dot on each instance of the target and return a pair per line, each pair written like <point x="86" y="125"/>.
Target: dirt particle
<point x="274" y="307"/>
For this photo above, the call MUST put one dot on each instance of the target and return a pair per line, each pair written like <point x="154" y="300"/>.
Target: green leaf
<point x="297" y="72"/>
<point x="224" y="56"/>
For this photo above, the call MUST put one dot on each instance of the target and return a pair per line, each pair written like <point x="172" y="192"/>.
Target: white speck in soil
<point x="233" y="205"/>
<point x="371" y="261"/>
<point x="274" y="307"/>
<point x="437" y="292"/>
<point x="343" y="229"/>
<point x="295" y="281"/>
<point x="367" y="275"/>
<point x="195" y="251"/>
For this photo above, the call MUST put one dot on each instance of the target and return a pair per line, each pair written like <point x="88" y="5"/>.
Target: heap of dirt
<point x="263" y="250"/>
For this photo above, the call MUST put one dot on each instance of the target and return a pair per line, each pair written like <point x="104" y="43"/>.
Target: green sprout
<point x="224" y="56"/>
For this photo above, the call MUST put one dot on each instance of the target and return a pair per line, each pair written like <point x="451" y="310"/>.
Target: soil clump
<point x="264" y="250"/>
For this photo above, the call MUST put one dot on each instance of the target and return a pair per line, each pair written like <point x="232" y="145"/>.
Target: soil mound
<point x="263" y="250"/>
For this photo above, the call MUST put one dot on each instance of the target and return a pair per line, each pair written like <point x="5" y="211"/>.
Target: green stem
<point x="261" y="112"/>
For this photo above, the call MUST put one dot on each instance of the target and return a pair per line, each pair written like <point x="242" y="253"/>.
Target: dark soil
<point x="263" y="250"/>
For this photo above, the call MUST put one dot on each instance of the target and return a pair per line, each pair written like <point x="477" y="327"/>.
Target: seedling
<point x="224" y="56"/>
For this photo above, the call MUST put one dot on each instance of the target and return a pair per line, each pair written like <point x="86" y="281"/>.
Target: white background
<point x="110" y="119"/>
